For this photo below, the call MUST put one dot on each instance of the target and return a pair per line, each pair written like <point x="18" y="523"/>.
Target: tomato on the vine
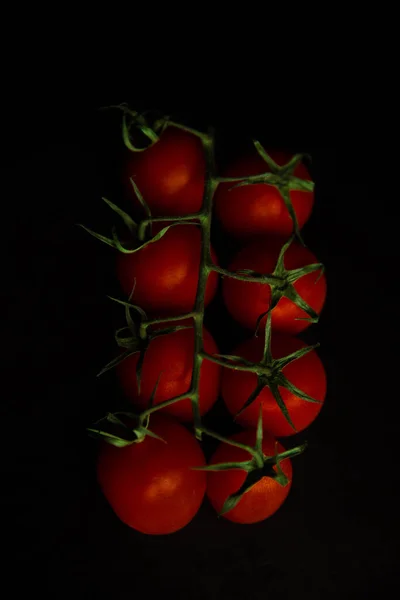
<point x="165" y="273"/>
<point x="152" y="485"/>
<point x="246" y="301"/>
<point x="258" y="209"/>
<point x="307" y="373"/>
<point x="264" y="498"/>
<point x="170" y="174"/>
<point x="169" y="360"/>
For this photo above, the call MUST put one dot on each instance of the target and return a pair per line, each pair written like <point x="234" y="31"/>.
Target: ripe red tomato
<point x="170" y="357"/>
<point x="166" y="273"/>
<point x="246" y="301"/>
<point x="264" y="498"/>
<point x="259" y="209"/>
<point x="170" y="174"/>
<point x="306" y="373"/>
<point x="151" y="485"/>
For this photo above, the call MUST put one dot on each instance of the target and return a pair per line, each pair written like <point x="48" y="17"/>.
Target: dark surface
<point x="337" y="534"/>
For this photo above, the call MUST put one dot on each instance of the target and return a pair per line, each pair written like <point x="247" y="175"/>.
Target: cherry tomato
<point x="264" y="498"/>
<point x="170" y="358"/>
<point x="151" y="485"/>
<point x="306" y="373"/>
<point x="259" y="209"/>
<point x="170" y="174"/>
<point x="166" y="272"/>
<point x="246" y="301"/>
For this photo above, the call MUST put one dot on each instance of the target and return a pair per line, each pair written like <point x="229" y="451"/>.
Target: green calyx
<point x="282" y="283"/>
<point x="282" y="177"/>
<point x="137" y="334"/>
<point x="256" y="468"/>
<point x="140" y="234"/>
<point x="148" y="123"/>
<point x="269" y="373"/>
<point x="116" y="432"/>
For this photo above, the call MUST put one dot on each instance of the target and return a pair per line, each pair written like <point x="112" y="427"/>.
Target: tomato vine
<point x="269" y="371"/>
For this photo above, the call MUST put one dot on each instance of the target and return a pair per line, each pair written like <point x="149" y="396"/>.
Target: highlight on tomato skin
<point x="246" y="301"/>
<point x="306" y="373"/>
<point x="170" y="174"/>
<point x="152" y="485"/>
<point x="169" y="361"/>
<point x="264" y="498"/>
<point x="164" y="274"/>
<point x="256" y="210"/>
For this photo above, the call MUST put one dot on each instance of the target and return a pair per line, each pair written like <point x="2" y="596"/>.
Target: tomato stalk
<point x="206" y="265"/>
<point x="224" y="440"/>
<point x="270" y="279"/>
<point x="204" y="272"/>
<point x="160" y="321"/>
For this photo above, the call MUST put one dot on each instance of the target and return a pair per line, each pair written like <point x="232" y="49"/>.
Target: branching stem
<point x="279" y="176"/>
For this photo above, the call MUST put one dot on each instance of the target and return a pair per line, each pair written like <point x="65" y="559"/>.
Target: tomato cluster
<point x="272" y="383"/>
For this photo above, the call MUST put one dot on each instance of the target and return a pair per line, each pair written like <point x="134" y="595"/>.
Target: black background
<point x="337" y="534"/>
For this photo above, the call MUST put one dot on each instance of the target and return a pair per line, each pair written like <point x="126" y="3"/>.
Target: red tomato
<point x="151" y="485"/>
<point x="264" y="498"/>
<point x="166" y="273"/>
<point x="170" y="357"/>
<point x="306" y="373"/>
<point x="246" y="301"/>
<point x="170" y="174"/>
<point x="259" y="209"/>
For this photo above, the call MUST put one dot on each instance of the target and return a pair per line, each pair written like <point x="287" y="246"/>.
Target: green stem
<point x="256" y="368"/>
<point x="199" y="134"/>
<point x="249" y="178"/>
<point x="148" y="323"/>
<point x="141" y="231"/>
<point x="267" y="356"/>
<point x="190" y="217"/>
<point x="204" y="272"/>
<point x="290" y="453"/>
<point x="229" y="441"/>
<point x="204" y="217"/>
<point x="205" y="268"/>
<point x="157" y="407"/>
<point x="270" y="279"/>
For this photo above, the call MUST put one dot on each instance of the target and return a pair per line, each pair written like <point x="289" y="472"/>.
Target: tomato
<point x="306" y="373"/>
<point x="151" y="485"/>
<point x="259" y="209"/>
<point x="264" y="498"/>
<point x="170" y="174"/>
<point x="170" y="357"/>
<point x="246" y="301"/>
<point x="166" y="273"/>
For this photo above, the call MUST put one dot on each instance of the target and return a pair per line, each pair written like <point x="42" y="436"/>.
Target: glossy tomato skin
<point x="264" y="498"/>
<point x="246" y="301"/>
<point x="170" y="174"/>
<point x="151" y="485"/>
<point x="170" y="357"/>
<point x="259" y="209"/>
<point x="166" y="273"/>
<point x="306" y="373"/>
